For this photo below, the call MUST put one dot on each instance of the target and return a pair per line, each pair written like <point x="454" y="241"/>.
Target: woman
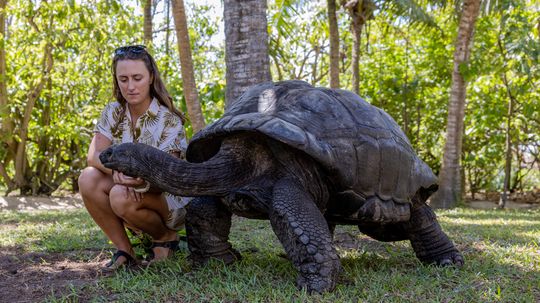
<point x="144" y="113"/>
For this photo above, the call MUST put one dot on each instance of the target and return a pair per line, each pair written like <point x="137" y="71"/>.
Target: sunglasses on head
<point x="133" y="49"/>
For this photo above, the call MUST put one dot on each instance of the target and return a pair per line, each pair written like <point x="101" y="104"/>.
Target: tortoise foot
<point x="453" y="258"/>
<point x="319" y="278"/>
<point x="315" y="284"/>
<point x="228" y="257"/>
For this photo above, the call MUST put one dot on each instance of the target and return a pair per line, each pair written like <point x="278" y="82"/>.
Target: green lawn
<point x="501" y="250"/>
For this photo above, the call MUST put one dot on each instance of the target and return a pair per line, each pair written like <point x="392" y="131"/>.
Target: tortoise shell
<point x="361" y="148"/>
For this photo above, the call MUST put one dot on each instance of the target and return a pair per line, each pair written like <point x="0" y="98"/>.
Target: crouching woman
<point x="143" y="112"/>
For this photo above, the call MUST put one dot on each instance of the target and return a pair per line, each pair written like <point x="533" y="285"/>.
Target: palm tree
<point x="246" y="46"/>
<point x="449" y="192"/>
<point x="334" y="44"/>
<point x="186" y="63"/>
<point x="360" y="12"/>
<point x="147" y="22"/>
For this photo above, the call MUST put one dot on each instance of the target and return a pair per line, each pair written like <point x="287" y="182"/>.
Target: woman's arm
<point x="99" y="144"/>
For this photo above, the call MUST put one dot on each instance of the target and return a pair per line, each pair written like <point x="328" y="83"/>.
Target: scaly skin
<point x="304" y="233"/>
<point x="431" y="245"/>
<point x="429" y="242"/>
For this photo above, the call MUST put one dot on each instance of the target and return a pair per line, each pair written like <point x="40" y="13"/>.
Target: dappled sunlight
<point x="267" y="102"/>
<point x="40" y="203"/>
<point x="502" y="222"/>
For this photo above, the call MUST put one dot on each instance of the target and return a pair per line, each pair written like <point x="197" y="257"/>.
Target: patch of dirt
<point x="34" y="277"/>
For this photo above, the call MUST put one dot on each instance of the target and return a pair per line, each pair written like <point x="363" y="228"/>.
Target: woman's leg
<point x="149" y="216"/>
<point x="94" y="187"/>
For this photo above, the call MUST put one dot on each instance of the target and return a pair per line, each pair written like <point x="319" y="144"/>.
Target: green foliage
<point x="208" y="61"/>
<point x="82" y="37"/>
<point x="405" y="68"/>
<point x="504" y="48"/>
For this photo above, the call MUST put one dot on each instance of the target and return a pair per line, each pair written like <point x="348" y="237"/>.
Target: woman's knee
<point x="89" y="180"/>
<point x="121" y="203"/>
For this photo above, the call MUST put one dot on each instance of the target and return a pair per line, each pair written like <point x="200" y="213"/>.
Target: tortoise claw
<point x="451" y="259"/>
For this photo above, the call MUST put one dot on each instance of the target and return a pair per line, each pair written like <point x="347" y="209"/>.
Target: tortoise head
<point x="128" y="158"/>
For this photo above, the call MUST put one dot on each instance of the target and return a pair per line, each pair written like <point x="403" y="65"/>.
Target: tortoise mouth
<point x="111" y="160"/>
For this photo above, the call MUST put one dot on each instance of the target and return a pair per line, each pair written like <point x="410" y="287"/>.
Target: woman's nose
<point x="131" y="85"/>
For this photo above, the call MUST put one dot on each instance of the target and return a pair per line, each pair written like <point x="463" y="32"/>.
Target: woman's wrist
<point x="143" y="189"/>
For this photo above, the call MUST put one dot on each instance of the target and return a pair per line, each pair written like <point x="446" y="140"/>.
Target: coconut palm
<point x="246" y="45"/>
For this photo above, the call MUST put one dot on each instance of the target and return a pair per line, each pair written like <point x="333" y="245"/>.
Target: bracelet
<point x="144" y="189"/>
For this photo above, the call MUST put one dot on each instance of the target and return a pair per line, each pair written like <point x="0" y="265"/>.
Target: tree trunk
<point x="334" y="44"/>
<point x="360" y="12"/>
<point x="186" y="64"/>
<point x="167" y="39"/>
<point x="148" y="23"/>
<point x="22" y="180"/>
<point x="449" y="192"/>
<point x="508" y="157"/>
<point x="7" y="126"/>
<point x="246" y="46"/>
<point x="508" y="140"/>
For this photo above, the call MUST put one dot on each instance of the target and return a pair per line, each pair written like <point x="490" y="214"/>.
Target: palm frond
<point x="170" y="120"/>
<point x="281" y="19"/>
<point x="163" y="137"/>
<point x="411" y="10"/>
<point x="146" y="137"/>
<point x="149" y="119"/>
<point x="118" y="122"/>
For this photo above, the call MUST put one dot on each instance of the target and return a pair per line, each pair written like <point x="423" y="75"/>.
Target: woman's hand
<point x="130" y="183"/>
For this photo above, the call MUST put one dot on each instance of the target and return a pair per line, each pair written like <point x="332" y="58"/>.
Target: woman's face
<point x="134" y="81"/>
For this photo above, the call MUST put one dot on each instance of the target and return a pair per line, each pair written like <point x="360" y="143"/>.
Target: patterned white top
<point x="157" y="127"/>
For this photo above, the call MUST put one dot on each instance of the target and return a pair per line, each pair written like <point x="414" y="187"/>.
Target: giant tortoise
<point x="306" y="158"/>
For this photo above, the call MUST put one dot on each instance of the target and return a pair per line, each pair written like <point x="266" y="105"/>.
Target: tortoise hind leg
<point x="430" y="243"/>
<point x="303" y="231"/>
<point x="208" y="223"/>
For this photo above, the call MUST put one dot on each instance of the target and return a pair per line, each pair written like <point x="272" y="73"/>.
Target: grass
<point x="501" y="249"/>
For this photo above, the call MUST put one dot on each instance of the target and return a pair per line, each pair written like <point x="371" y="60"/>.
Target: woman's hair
<point x="157" y="87"/>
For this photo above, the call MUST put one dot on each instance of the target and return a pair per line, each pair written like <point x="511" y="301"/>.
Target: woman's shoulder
<point x="113" y="107"/>
<point x="167" y="114"/>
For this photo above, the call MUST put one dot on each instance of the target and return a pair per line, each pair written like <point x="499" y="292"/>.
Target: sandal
<point x="171" y="245"/>
<point x="112" y="264"/>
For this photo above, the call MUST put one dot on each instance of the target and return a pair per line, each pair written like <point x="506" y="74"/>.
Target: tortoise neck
<point x="236" y="164"/>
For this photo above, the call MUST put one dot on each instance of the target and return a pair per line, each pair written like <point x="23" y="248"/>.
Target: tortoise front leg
<point x="428" y="240"/>
<point x="304" y="233"/>
<point x="208" y="223"/>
